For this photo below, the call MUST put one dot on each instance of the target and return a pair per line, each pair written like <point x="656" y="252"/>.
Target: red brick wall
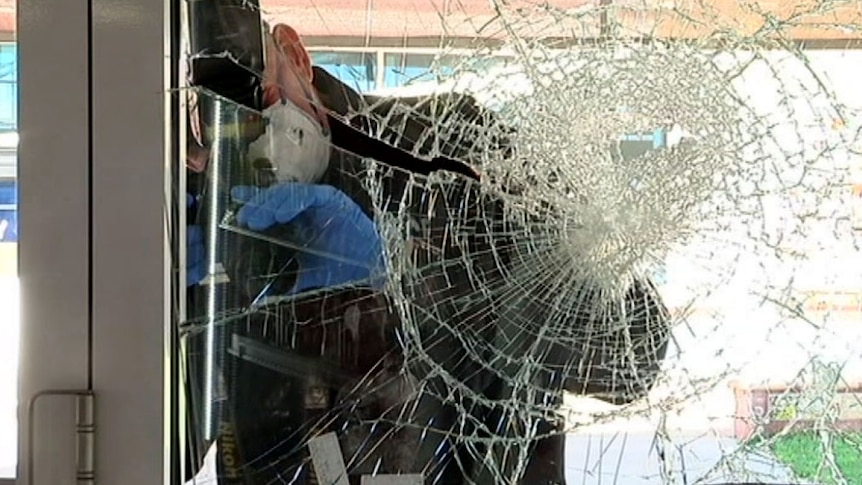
<point x="8" y="24"/>
<point x="476" y="18"/>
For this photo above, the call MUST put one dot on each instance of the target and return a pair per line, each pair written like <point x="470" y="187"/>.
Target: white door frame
<point x="95" y="167"/>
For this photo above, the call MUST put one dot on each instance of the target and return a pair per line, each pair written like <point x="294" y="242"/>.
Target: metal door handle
<point x="85" y="427"/>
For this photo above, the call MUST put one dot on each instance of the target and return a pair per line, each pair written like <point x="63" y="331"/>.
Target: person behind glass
<point x="316" y="162"/>
<point x="314" y="158"/>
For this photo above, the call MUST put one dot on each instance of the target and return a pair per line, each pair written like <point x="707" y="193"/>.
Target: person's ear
<point x="290" y="43"/>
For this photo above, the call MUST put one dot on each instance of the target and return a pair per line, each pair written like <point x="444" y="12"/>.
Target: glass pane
<point x="401" y="69"/>
<point x="355" y="69"/>
<point x="564" y="262"/>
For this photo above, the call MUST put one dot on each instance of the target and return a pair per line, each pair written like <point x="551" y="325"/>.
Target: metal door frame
<point x="96" y="162"/>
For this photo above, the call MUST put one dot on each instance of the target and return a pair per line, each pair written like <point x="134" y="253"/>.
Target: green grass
<point x="803" y="453"/>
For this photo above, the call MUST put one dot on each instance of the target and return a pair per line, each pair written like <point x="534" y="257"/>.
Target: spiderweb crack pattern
<point x="541" y="278"/>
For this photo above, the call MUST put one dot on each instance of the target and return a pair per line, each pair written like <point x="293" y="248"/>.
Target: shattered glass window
<point x="403" y="69"/>
<point x="522" y="242"/>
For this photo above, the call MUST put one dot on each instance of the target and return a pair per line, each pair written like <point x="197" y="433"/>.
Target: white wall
<point x="761" y="340"/>
<point x="732" y="333"/>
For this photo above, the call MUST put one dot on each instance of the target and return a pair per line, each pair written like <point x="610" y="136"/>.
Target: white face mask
<point x="295" y="144"/>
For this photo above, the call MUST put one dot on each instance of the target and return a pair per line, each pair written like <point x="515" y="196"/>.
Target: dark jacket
<point x="459" y="119"/>
<point x="459" y="301"/>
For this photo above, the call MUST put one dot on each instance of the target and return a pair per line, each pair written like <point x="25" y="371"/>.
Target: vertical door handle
<point x="85" y="427"/>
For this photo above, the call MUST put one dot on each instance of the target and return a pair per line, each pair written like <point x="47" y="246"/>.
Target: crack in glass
<point x="625" y="201"/>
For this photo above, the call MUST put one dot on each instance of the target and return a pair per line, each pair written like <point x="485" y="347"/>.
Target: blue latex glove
<point x="195" y="253"/>
<point x="340" y="244"/>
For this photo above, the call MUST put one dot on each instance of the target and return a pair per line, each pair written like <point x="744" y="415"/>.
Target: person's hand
<point x="195" y="252"/>
<point x="336" y="242"/>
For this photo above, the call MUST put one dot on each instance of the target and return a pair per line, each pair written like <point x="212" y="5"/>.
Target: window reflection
<point x="8" y="211"/>
<point x="405" y="68"/>
<point x="8" y="87"/>
<point x="356" y="69"/>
